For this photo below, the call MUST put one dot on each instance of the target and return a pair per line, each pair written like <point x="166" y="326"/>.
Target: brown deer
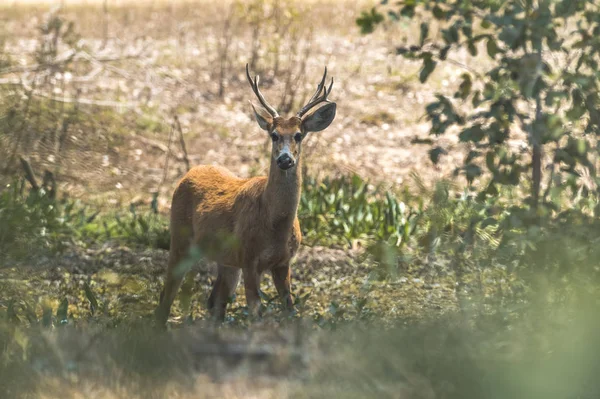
<point x="247" y="226"/>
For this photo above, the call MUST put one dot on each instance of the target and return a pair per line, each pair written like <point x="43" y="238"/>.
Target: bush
<point x="35" y="222"/>
<point x="342" y="210"/>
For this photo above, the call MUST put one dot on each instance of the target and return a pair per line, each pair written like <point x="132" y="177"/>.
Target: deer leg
<point x="181" y="238"/>
<point x="227" y="281"/>
<point x="173" y="281"/>
<point x="252" y="287"/>
<point x="282" y="277"/>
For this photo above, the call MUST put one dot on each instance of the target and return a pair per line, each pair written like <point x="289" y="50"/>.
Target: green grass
<point x="342" y="210"/>
<point x="522" y="324"/>
<point x="35" y="220"/>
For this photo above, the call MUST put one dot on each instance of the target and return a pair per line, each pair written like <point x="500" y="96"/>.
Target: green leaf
<point x="476" y="101"/>
<point x="450" y="35"/>
<point x="89" y="294"/>
<point x="424" y="33"/>
<point x="438" y="13"/>
<point x="492" y="47"/>
<point x="472" y="48"/>
<point x="61" y="312"/>
<point x="428" y="67"/>
<point x="11" y="314"/>
<point x="467" y="31"/>
<point x="444" y="52"/>
<point x="490" y="161"/>
<point x="46" y="316"/>
<point x="143" y="224"/>
<point x="436" y="153"/>
<point x="472" y="134"/>
<point x="465" y="87"/>
<point x="368" y="20"/>
<point x="154" y="203"/>
<point x="408" y="10"/>
<point x="472" y="171"/>
<point x="575" y="113"/>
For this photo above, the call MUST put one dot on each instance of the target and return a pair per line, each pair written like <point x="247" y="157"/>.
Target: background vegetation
<point x="453" y="255"/>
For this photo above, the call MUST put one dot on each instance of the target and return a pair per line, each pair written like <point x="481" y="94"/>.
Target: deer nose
<point x="285" y="161"/>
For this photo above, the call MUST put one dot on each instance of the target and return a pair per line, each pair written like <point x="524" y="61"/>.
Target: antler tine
<point x="319" y="96"/>
<point x="261" y="98"/>
<point x="319" y="87"/>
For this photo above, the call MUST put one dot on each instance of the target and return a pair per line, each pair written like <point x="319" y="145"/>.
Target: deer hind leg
<point x="282" y="278"/>
<point x="173" y="281"/>
<point x="179" y="250"/>
<point x="223" y="289"/>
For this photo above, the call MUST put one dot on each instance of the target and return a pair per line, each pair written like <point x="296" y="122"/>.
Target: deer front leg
<point x="223" y="289"/>
<point x="282" y="278"/>
<point x="252" y="287"/>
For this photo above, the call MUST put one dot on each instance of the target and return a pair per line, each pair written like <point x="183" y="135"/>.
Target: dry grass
<point x="177" y="51"/>
<point x="116" y="154"/>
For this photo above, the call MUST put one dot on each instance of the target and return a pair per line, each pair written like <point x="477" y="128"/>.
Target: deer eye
<point x="274" y="136"/>
<point x="298" y="137"/>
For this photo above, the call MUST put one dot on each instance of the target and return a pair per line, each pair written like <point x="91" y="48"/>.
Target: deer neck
<point x="282" y="195"/>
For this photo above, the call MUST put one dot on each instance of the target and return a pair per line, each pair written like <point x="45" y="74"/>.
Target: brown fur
<point x="247" y="226"/>
<point x="243" y="224"/>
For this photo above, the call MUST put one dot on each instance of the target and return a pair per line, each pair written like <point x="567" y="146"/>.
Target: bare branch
<point x="182" y="142"/>
<point x="29" y="175"/>
<point x="67" y="57"/>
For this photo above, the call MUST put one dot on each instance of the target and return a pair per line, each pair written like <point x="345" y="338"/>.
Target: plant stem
<point x="536" y="157"/>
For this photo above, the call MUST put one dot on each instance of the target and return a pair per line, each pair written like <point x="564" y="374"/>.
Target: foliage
<point x="29" y="217"/>
<point x="35" y="219"/>
<point x="540" y="80"/>
<point x="340" y="211"/>
<point x="146" y="227"/>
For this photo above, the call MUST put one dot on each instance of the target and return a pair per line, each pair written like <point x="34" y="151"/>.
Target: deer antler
<point x="254" y="85"/>
<point x="320" y="96"/>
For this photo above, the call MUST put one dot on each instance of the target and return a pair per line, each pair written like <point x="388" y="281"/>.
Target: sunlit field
<point x="449" y="213"/>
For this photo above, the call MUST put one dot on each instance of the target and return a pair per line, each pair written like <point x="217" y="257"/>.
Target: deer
<point x="246" y="226"/>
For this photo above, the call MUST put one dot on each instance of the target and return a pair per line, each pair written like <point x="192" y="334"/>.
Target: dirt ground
<point x="167" y="57"/>
<point x="147" y="61"/>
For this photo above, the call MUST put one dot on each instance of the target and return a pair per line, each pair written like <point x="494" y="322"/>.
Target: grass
<point x="470" y="330"/>
<point x="343" y="210"/>
<point x="428" y="294"/>
<point x="550" y="353"/>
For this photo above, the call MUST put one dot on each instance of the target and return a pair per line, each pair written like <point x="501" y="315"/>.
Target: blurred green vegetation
<point x="34" y="219"/>
<point x="523" y="279"/>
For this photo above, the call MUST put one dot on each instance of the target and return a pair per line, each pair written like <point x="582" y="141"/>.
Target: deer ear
<point x="265" y="122"/>
<point x="320" y="119"/>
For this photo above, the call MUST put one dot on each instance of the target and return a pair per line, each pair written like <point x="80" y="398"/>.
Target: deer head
<point x="287" y="134"/>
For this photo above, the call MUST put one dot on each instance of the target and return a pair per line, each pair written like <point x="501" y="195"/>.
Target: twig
<point x="168" y="153"/>
<point x="58" y="61"/>
<point x="186" y="159"/>
<point x="69" y="56"/>
<point x="463" y="66"/>
<point x="78" y="79"/>
<point x="25" y="115"/>
<point x="29" y="175"/>
<point x="102" y="62"/>
<point x="104" y="25"/>
<point x="86" y="101"/>
<point x="157" y="145"/>
<point x="224" y="51"/>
